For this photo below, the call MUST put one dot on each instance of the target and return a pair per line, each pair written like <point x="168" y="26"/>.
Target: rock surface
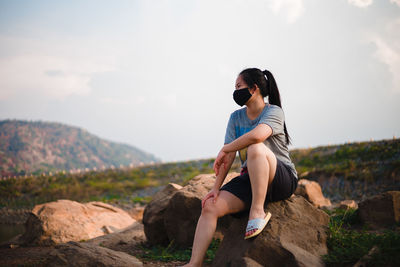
<point x="295" y="236"/>
<point x="348" y="204"/>
<point x="65" y="220"/>
<point x="174" y="211"/>
<point x="121" y="241"/>
<point x="382" y="210"/>
<point x="153" y="216"/>
<point x="84" y="254"/>
<point x="184" y="209"/>
<point x="136" y="213"/>
<point x="312" y="191"/>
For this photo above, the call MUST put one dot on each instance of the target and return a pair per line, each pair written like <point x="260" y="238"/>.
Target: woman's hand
<point x="214" y="193"/>
<point x="219" y="161"/>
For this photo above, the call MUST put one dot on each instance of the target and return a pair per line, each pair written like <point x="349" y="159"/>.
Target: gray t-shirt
<point x="271" y="115"/>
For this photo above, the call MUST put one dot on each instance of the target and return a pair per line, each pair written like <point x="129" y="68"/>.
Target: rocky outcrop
<point x="295" y="236"/>
<point x="153" y="216"/>
<point x="123" y="240"/>
<point x="348" y="204"/>
<point x="136" y="212"/>
<point x="173" y="215"/>
<point x="65" y="220"/>
<point x="83" y="254"/>
<point x="311" y="191"/>
<point x="380" y="211"/>
<point x="106" y="250"/>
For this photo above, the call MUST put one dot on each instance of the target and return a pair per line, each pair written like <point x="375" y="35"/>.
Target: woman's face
<point x="240" y="84"/>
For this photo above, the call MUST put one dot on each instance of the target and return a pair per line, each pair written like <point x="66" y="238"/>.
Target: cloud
<point x="48" y="68"/>
<point x="361" y="3"/>
<point x="388" y="50"/>
<point x="293" y="9"/>
<point x="396" y="2"/>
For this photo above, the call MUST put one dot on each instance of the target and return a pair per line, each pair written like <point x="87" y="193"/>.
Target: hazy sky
<point x="159" y="74"/>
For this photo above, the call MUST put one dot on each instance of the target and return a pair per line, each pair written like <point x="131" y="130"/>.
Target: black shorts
<point x="282" y="187"/>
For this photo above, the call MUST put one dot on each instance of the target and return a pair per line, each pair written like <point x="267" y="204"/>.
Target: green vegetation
<point x="364" y="160"/>
<point x="111" y="186"/>
<point x="347" y="243"/>
<point x="343" y="171"/>
<point x="171" y="253"/>
<point x="351" y="171"/>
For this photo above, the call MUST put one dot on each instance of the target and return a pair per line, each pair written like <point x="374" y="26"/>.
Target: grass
<point x="171" y="253"/>
<point x="347" y="244"/>
<point x="109" y="186"/>
<point x="362" y="160"/>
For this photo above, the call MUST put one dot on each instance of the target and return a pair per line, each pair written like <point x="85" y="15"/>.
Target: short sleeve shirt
<point x="271" y="115"/>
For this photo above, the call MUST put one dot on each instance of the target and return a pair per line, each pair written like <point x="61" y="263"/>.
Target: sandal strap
<point x="255" y="224"/>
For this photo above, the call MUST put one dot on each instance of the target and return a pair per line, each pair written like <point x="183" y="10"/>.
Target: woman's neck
<point x="255" y="108"/>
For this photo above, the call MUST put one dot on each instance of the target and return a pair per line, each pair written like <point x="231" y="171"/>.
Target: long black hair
<point x="268" y="87"/>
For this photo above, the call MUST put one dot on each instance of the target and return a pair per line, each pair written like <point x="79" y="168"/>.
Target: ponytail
<point x="268" y="87"/>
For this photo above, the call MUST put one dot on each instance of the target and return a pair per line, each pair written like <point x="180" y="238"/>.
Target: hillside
<point x="33" y="147"/>
<point x="352" y="170"/>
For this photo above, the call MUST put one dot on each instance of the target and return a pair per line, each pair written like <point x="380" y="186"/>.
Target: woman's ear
<point x="254" y="89"/>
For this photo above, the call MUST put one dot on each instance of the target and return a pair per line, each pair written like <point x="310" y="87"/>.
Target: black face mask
<point x="241" y="96"/>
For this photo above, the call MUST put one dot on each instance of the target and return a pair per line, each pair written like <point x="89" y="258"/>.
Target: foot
<point x="256" y="213"/>
<point x="255" y="226"/>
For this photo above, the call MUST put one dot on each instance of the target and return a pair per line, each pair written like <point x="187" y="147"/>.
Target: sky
<point x="159" y="74"/>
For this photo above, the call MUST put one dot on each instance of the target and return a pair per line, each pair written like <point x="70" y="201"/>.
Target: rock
<point x="295" y="236"/>
<point x="348" y="204"/>
<point x="311" y="191"/>
<point x="136" y="213"/>
<point x="121" y="241"/>
<point x="65" y="220"/>
<point x="153" y="216"/>
<point x="184" y="209"/>
<point x="83" y="254"/>
<point x="245" y="262"/>
<point x="381" y="210"/>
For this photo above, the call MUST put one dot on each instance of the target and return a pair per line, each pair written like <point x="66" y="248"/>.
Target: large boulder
<point x="153" y="216"/>
<point x="381" y="210"/>
<point x="184" y="209"/>
<point x="83" y="254"/>
<point x="176" y="208"/>
<point x="65" y="220"/>
<point x="312" y="191"/>
<point x="295" y="236"/>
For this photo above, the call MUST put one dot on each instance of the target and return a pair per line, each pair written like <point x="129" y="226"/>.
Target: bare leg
<point x="261" y="165"/>
<point x="226" y="203"/>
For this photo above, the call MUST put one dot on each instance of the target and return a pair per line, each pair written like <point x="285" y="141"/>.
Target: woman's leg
<point x="226" y="203"/>
<point x="261" y="165"/>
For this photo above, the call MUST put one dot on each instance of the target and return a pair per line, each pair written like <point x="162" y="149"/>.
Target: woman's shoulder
<point x="274" y="108"/>
<point x="238" y="112"/>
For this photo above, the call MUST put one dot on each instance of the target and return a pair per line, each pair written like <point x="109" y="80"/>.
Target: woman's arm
<point x="224" y="169"/>
<point x="221" y="172"/>
<point x="257" y="135"/>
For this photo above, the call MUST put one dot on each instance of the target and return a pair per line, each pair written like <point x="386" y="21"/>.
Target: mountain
<point x="33" y="147"/>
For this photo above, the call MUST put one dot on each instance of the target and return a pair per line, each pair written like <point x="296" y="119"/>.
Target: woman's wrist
<point x="216" y="188"/>
<point x="225" y="148"/>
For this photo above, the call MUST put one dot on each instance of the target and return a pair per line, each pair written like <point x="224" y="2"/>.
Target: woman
<point x="258" y="131"/>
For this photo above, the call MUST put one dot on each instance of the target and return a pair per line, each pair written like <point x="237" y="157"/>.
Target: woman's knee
<point x="209" y="208"/>
<point x="261" y="150"/>
<point x="213" y="209"/>
<point x="256" y="150"/>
